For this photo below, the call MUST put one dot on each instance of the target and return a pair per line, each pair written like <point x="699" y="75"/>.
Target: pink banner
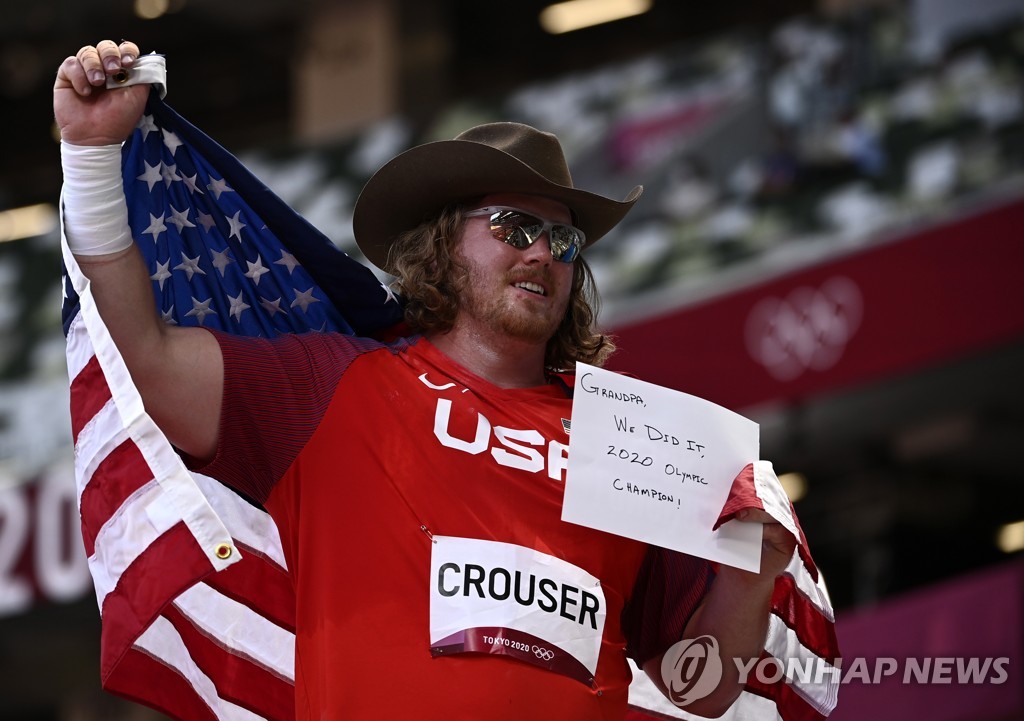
<point x="954" y="652"/>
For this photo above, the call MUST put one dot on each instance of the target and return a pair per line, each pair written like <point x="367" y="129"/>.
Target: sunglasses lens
<point x="514" y="228"/>
<point x="565" y="243"/>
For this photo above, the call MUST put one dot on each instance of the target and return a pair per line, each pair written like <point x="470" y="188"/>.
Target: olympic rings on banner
<point x="809" y="329"/>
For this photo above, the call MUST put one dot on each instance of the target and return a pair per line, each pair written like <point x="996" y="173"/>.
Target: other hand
<point x="777" y="543"/>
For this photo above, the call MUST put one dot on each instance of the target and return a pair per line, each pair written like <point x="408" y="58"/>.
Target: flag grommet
<point x="223" y="551"/>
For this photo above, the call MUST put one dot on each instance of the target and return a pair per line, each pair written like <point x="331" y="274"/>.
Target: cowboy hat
<point x="492" y="158"/>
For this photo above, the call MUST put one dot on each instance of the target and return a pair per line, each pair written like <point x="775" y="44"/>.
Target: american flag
<point x="192" y="585"/>
<point x="193" y="590"/>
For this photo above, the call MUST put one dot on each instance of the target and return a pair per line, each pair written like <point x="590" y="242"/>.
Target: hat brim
<point x="417" y="184"/>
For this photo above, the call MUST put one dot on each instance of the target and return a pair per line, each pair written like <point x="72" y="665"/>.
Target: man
<point x="427" y="473"/>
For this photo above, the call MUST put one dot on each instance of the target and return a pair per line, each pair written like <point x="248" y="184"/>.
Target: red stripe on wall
<point x="891" y="308"/>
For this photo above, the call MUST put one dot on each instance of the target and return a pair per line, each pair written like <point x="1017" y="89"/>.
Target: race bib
<point x="500" y="598"/>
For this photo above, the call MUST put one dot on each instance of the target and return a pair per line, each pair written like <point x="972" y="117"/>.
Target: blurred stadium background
<point x="831" y="242"/>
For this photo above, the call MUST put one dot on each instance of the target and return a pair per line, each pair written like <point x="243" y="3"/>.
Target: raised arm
<point x="178" y="371"/>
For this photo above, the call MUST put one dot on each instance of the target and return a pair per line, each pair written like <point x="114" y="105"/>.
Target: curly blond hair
<point x="430" y="279"/>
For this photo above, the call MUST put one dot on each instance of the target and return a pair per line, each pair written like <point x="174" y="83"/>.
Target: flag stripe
<point x="79" y="349"/>
<point x="119" y="475"/>
<point x="99" y="437"/>
<point x="163" y="642"/>
<point x="261" y="580"/>
<point x="773" y="497"/>
<point x="646" y="701"/>
<point x="261" y="585"/>
<point x="249" y="525"/>
<point x="146" y="679"/>
<point x="785" y="697"/>
<point x="752" y="707"/>
<point x="170" y="564"/>
<point x="812" y="589"/>
<point x="239" y="629"/>
<point x="237" y="679"/>
<point x="90" y="392"/>
<point x="801" y="615"/>
<point x="125" y="536"/>
<point x="810" y="676"/>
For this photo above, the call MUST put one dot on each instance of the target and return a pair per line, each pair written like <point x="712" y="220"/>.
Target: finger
<point x="129" y="53"/>
<point x="72" y="73"/>
<point x="110" y="56"/>
<point x="754" y="515"/>
<point x="89" y="58"/>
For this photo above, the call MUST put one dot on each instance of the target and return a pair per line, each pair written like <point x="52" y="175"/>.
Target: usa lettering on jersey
<point x="524" y="449"/>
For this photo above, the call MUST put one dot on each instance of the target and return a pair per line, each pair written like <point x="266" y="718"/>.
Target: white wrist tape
<point x="95" y="211"/>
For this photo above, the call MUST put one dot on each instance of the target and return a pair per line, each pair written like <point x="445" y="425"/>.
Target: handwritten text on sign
<point x="654" y="464"/>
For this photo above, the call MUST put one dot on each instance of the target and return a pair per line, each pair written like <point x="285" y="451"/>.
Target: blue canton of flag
<point x="225" y="252"/>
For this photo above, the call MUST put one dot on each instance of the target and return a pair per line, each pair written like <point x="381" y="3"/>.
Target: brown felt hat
<point x="493" y="158"/>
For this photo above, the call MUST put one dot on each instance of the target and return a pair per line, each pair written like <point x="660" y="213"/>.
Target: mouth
<point x="534" y="288"/>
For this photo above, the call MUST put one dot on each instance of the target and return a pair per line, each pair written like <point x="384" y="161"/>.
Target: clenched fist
<point x="87" y="113"/>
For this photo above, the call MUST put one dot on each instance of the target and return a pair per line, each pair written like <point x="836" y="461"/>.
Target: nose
<point x="540" y="251"/>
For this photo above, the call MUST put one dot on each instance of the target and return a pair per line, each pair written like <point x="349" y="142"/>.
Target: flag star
<point x="190" y="183"/>
<point x="219" y="186"/>
<point x="390" y="293"/>
<point x="146" y="125"/>
<point x="206" y="221"/>
<point x="272" y="306"/>
<point x="237" y="306"/>
<point x="152" y="175"/>
<point x="201" y="309"/>
<point x="156" y="226"/>
<point x="190" y="266"/>
<point x="171" y="141"/>
<point x="179" y="218"/>
<point x="288" y="261"/>
<point x="236" y="226"/>
<point x="256" y="270"/>
<point x="169" y="173"/>
<point x="162" y="273"/>
<point x="221" y="259"/>
<point x="167" y="316"/>
<point x="304" y="299"/>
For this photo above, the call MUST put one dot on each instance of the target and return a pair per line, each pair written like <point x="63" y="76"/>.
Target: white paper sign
<point x="654" y="464"/>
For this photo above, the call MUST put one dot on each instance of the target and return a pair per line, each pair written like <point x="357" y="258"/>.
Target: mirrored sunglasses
<point x="521" y="230"/>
